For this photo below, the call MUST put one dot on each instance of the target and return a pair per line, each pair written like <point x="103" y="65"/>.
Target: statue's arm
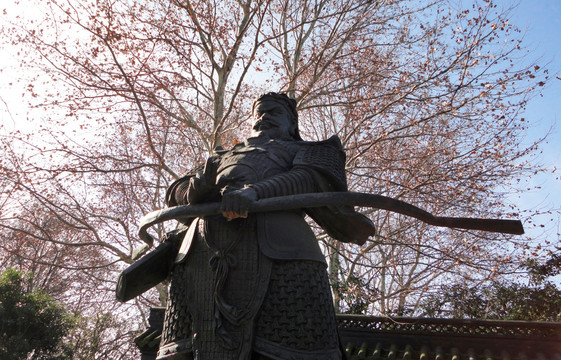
<point x="236" y="202"/>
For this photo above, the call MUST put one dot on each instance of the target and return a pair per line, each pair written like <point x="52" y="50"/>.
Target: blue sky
<point x="540" y="21"/>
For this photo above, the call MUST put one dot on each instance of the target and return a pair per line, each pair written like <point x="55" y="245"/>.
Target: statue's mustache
<point x="264" y="124"/>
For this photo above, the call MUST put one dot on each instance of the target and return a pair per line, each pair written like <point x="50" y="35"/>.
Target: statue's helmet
<point x="288" y="103"/>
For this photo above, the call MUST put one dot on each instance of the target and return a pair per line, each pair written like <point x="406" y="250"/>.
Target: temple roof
<point x="385" y="338"/>
<point x="366" y="337"/>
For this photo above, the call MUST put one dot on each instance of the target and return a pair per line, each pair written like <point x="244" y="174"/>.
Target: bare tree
<point x="426" y="99"/>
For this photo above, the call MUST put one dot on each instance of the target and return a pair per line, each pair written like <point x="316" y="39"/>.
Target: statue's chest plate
<point x="248" y="164"/>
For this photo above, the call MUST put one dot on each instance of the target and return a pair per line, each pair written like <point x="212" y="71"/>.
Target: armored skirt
<point x="228" y="301"/>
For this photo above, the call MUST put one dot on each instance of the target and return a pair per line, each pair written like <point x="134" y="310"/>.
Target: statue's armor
<point x="255" y="284"/>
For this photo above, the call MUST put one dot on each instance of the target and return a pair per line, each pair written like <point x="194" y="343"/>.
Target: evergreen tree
<point x="32" y="325"/>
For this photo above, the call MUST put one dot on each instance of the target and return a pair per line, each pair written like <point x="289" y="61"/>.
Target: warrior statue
<point x="255" y="286"/>
<point x="248" y="279"/>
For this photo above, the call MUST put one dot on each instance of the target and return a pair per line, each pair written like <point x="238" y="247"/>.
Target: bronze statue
<point x="248" y="279"/>
<point x="255" y="286"/>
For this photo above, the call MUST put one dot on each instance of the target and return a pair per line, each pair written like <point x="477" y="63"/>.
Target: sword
<point x="330" y="199"/>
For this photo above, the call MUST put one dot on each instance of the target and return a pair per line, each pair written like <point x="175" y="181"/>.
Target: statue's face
<point x="272" y="118"/>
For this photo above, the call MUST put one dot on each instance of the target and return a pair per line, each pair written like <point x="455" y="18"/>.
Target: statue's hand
<point x="202" y="186"/>
<point x="235" y="203"/>
<point x="198" y="189"/>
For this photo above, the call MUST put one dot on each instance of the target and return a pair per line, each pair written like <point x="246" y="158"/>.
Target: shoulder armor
<point x="327" y="158"/>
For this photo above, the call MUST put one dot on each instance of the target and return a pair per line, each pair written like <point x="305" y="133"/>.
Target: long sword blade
<point x="332" y="199"/>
